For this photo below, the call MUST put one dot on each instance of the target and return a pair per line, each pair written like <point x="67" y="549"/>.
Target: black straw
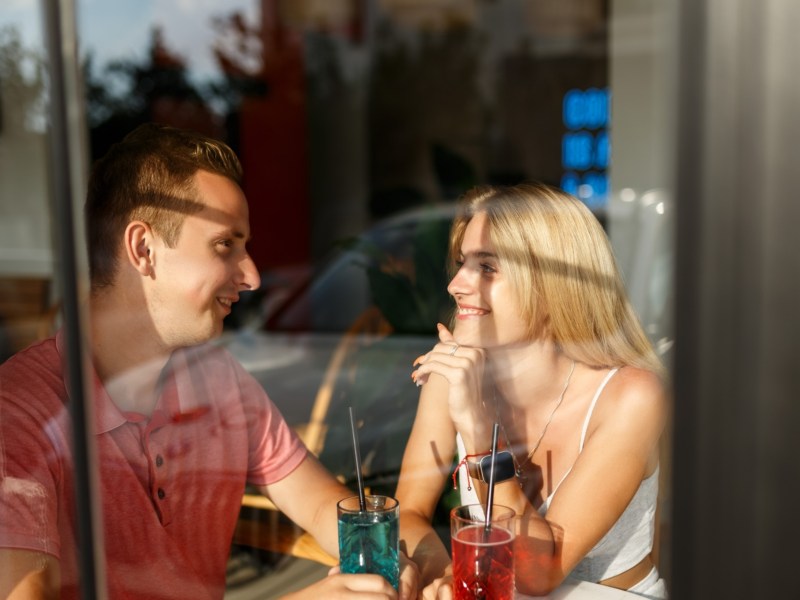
<point x="490" y="495"/>
<point x="362" y="501"/>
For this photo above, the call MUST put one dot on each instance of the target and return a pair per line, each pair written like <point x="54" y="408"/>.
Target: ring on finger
<point x="453" y="351"/>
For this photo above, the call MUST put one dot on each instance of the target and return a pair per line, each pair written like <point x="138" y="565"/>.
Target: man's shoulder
<point x="32" y="382"/>
<point x="208" y="357"/>
<point x="209" y="349"/>
<point x="40" y="358"/>
<point x="215" y="366"/>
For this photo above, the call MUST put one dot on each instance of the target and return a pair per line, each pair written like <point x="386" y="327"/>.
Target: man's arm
<point x="308" y="496"/>
<point x="28" y="575"/>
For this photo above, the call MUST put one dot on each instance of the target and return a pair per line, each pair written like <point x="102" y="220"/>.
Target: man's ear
<point x="139" y="247"/>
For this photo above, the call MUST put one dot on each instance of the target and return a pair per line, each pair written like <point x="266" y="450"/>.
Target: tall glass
<point x="483" y="559"/>
<point x="369" y="541"/>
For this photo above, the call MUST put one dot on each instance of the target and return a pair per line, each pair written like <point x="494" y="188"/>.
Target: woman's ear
<point x="139" y="247"/>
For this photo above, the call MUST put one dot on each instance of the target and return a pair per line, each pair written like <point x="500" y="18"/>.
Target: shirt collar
<point x="106" y="415"/>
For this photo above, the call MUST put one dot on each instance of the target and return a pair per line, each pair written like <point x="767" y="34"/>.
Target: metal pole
<point x="59" y="19"/>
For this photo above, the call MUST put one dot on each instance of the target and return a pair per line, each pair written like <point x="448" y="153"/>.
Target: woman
<point x="546" y="344"/>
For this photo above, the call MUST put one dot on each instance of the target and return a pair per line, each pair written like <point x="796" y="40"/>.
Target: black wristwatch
<point x="480" y="467"/>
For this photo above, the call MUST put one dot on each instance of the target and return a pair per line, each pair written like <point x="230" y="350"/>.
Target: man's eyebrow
<point x="234" y="233"/>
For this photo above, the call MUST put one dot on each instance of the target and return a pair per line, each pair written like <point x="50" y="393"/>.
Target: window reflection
<point x="26" y="257"/>
<point x="358" y="124"/>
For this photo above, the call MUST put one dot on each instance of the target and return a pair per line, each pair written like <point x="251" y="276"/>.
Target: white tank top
<point x="628" y="541"/>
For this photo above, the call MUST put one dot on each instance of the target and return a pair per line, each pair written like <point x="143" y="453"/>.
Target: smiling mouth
<point x="226" y="302"/>
<point x="471" y="311"/>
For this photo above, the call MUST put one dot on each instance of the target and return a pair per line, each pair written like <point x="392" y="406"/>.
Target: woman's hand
<point x="463" y="367"/>
<point x="440" y="589"/>
<point x="409" y="578"/>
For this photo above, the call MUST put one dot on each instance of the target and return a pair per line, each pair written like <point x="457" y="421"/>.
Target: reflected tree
<point x="22" y="76"/>
<point x="126" y="93"/>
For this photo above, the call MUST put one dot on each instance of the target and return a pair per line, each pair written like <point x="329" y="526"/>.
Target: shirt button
<point x="161" y="493"/>
<point x="159" y="460"/>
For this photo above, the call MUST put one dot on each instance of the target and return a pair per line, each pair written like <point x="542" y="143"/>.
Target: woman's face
<point x="487" y="314"/>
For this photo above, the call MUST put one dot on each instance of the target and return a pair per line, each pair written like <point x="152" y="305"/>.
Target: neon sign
<point x="585" y="148"/>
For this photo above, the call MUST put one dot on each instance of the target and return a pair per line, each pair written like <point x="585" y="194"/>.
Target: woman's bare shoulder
<point x="634" y="393"/>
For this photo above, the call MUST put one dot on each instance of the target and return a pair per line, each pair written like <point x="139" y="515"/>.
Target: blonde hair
<point x="567" y="282"/>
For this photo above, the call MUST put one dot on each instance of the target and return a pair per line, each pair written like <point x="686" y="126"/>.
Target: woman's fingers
<point x="457" y="367"/>
<point x="445" y="335"/>
<point x="440" y="589"/>
<point x="409" y="578"/>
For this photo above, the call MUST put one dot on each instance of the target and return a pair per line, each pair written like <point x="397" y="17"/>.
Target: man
<point x="180" y="427"/>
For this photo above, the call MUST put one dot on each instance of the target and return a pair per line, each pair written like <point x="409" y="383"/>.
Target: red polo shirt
<point x="171" y="485"/>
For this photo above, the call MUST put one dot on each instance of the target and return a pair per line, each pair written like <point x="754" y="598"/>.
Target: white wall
<point x="640" y="209"/>
<point x="25" y="240"/>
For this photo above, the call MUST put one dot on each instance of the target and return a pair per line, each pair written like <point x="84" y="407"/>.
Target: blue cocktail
<point x="369" y="540"/>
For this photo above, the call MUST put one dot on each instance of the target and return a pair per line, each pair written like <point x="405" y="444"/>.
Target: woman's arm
<point x="424" y="472"/>
<point x="621" y="449"/>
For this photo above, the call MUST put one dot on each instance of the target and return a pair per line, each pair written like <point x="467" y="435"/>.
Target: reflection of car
<point x="347" y="336"/>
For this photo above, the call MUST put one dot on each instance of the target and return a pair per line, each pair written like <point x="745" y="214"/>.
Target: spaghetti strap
<point x="546" y="504"/>
<point x="592" y="405"/>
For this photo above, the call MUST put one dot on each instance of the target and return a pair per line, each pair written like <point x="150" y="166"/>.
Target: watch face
<point x="503" y="466"/>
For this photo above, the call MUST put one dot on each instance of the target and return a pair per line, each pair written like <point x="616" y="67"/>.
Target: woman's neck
<point x="527" y="375"/>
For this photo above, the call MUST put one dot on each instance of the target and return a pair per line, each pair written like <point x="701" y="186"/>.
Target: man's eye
<point x="225" y="243"/>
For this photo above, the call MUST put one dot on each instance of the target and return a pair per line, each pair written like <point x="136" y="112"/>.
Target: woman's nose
<point x="459" y="284"/>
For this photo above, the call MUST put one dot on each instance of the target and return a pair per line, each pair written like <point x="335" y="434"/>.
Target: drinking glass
<point x="483" y="558"/>
<point x="369" y="540"/>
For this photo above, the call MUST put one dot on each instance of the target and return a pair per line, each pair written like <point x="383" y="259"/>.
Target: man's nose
<point x="250" y="279"/>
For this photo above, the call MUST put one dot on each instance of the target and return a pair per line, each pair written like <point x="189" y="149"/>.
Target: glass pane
<point x="358" y="125"/>
<point x="26" y="256"/>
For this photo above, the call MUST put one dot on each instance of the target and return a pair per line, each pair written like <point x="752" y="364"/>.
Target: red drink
<point x="483" y="563"/>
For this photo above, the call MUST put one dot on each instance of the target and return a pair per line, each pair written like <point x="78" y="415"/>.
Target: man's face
<point x="196" y="282"/>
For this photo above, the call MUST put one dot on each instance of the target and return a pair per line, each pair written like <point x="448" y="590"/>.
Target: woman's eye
<point x="486" y="268"/>
<point x="459" y="263"/>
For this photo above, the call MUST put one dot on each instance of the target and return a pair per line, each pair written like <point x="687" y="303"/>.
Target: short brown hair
<point x="148" y="176"/>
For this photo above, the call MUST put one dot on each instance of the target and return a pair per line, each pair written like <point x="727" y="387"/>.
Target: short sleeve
<point x="33" y="446"/>
<point x="274" y="449"/>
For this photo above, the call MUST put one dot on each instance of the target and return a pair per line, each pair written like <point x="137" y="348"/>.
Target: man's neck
<point x="125" y="352"/>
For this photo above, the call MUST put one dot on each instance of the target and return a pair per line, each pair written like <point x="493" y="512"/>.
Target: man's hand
<point x="340" y="586"/>
<point x="409" y="577"/>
